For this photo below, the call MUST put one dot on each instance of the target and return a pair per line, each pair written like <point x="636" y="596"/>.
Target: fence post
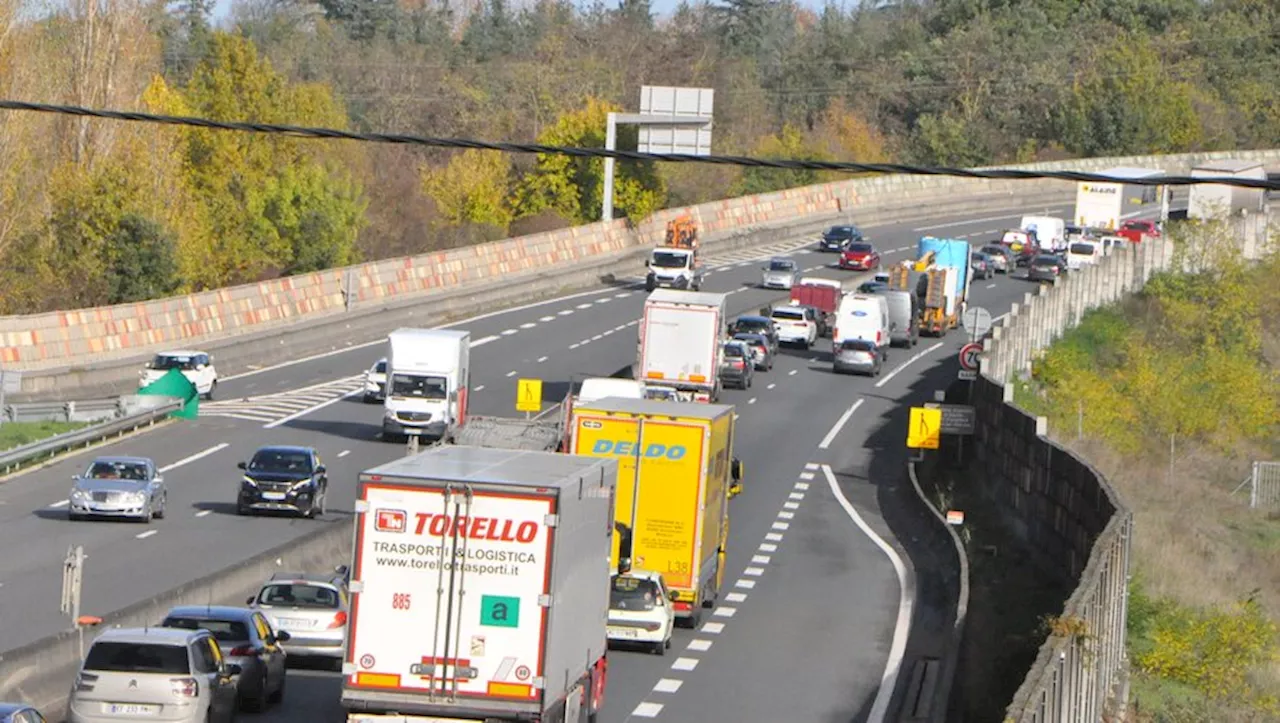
<point x="1253" y="486"/>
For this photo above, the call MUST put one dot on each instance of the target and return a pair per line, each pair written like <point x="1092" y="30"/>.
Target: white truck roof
<point x="694" y="298"/>
<point x="1226" y="166"/>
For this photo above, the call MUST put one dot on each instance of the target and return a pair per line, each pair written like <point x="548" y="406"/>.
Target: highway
<point x="815" y="597"/>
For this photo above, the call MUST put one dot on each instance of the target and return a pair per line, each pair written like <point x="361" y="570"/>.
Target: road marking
<point x="647" y="710"/>
<point x="792" y="373"/>
<point x="597" y="337"/>
<point x="699" y="646"/>
<point x="791" y="505"/>
<point x="773" y="537"/>
<point x="906" y="603"/>
<point x="831" y="436"/>
<point x="991" y="286"/>
<point x="509" y="332"/>
<point x="735" y="597"/>
<point x="528" y="325"/>
<point x="511" y="374"/>
<point x="61" y="503"/>
<point x="751" y="400"/>
<point x="313" y="408"/>
<point x="622" y="295"/>
<point x="746" y="584"/>
<point x="753" y="571"/>
<point x="574" y="346"/>
<point x="565" y="312"/>
<point x="771" y="386"/>
<point x="684" y="664"/>
<point x="806" y="475"/>
<point x="479" y="388"/>
<point x="482" y="342"/>
<point x="668" y="685"/>
<point x="906" y="364"/>
<point x="781" y="525"/>
<point x="813" y="359"/>
<point x="620" y="327"/>
<point x="712" y="628"/>
<point x="584" y="306"/>
<point x="545" y="319"/>
<point x="725" y="611"/>
<point x="605" y="300"/>
<point x="811" y="466"/>
<point x="796" y="495"/>
<point x="786" y="515"/>
<point x="204" y="513"/>
<point x="542" y="359"/>
<point x="802" y="485"/>
<point x="584" y="342"/>
<point x="760" y="560"/>
<point x="609" y="331"/>
<point x="194" y="457"/>
<point x="768" y="547"/>
<point x="145" y="535"/>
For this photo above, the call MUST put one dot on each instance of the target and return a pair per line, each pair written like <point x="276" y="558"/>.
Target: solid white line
<point x="194" y="457"/>
<point x="889" y="377"/>
<point x="482" y="342"/>
<point x="547" y="411"/>
<point x="204" y="513"/>
<point x="61" y="503"/>
<point x="699" y="646"/>
<point x="906" y="605"/>
<point x="145" y="535"/>
<point x="309" y="410"/>
<point x="344" y="453"/>
<point x="831" y="436"/>
<point x="712" y="628"/>
<point x="668" y="685"/>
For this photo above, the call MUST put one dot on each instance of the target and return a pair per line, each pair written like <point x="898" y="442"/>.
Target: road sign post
<point x="924" y="430"/>
<point x="72" y="567"/>
<point x="529" y="396"/>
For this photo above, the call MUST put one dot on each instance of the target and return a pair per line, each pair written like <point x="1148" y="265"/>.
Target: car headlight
<point x="248" y="482"/>
<point x="78" y="494"/>
<point x="136" y="498"/>
<point x="300" y="485"/>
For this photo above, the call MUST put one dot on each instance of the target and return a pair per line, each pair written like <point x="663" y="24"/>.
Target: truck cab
<point x="427" y="383"/>
<point x="675" y="264"/>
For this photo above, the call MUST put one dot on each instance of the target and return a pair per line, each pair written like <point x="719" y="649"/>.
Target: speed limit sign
<point x="969" y="356"/>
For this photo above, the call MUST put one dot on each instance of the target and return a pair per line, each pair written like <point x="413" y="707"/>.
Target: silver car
<point x="780" y="273"/>
<point x="128" y="487"/>
<point x="248" y="640"/>
<point x="313" y="609"/>
<point x="858" y="356"/>
<point x="375" y="382"/>
<point x="759" y="345"/>
<point x="154" y="674"/>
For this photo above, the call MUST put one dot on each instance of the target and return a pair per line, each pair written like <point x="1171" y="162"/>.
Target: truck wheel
<point x="649" y="284"/>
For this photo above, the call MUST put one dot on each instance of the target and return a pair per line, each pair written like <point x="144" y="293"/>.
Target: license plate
<point x="272" y="495"/>
<point x="293" y="623"/>
<point x="623" y="633"/>
<point x="132" y="709"/>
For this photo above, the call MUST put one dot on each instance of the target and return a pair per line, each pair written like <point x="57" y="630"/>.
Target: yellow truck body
<point x="674" y="461"/>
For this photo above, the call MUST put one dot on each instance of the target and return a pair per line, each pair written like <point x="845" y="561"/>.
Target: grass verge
<point x="16" y="434"/>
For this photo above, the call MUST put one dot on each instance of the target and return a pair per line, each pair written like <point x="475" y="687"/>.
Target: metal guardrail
<point x="15" y="458"/>
<point x="92" y="410"/>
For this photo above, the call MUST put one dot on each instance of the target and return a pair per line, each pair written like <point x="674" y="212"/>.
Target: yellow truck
<point x="676" y="473"/>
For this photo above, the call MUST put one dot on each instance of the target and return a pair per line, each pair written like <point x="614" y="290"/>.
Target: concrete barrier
<point x="58" y="349"/>
<point x="42" y="672"/>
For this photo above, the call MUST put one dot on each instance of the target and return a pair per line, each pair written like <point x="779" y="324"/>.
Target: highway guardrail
<point x="90" y="410"/>
<point x="18" y="457"/>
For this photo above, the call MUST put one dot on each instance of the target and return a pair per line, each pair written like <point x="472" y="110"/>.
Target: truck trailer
<point x="480" y="588"/>
<point x="1106" y="205"/>
<point x="681" y="333"/>
<point x="823" y="295"/>
<point x="676" y="474"/>
<point x="1218" y="200"/>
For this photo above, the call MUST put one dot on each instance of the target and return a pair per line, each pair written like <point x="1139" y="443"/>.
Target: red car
<point x="859" y="256"/>
<point x="1135" y="229"/>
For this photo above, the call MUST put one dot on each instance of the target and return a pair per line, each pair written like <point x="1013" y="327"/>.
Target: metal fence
<point x="1264" y="485"/>
<point x="92" y="410"/>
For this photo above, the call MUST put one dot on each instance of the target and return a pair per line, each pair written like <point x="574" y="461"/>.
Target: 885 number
<point x="400" y="601"/>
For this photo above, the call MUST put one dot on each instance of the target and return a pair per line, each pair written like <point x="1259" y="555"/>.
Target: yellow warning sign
<point x="529" y="395"/>
<point x="924" y="431"/>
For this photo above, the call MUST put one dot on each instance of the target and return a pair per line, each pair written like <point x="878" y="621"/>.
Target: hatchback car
<point x="1002" y="259"/>
<point x="283" y="479"/>
<point x="312" y="608"/>
<point x="124" y="487"/>
<point x="375" y="382"/>
<point x="19" y="713"/>
<point x="737" y="365"/>
<point x="859" y="256"/>
<point x="858" y="356"/>
<point x="873" y="287"/>
<point x="762" y="325"/>
<point x="760" y="345"/>
<point x="196" y="366"/>
<point x="148" y="674"/>
<point x="246" y="639"/>
<point x="983" y="267"/>
<point x="796" y="325"/>
<point x="835" y="238"/>
<point x="641" y="610"/>
<point x="1046" y="267"/>
<point x="780" y="273"/>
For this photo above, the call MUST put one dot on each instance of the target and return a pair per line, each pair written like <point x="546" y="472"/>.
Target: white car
<point x="375" y="382"/>
<point x="795" y="325"/>
<point x="641" y="610"/>
<point x="780" y="273"/>
<point x="196" y="366"/>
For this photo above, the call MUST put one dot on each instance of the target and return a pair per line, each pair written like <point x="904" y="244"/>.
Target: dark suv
<point x="837" y="237"/>
<point x="283" y="479"/>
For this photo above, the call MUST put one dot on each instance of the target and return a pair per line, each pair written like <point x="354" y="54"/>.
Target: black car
<point x="756" y="325"/>
<point x="837" y="237"/>
<point x="283" y="479"/>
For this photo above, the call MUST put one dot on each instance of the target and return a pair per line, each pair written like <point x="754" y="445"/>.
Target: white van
<point x="1083" y="253"/>
<point x="863" y="316"/>
<point x="1051" y="233"/>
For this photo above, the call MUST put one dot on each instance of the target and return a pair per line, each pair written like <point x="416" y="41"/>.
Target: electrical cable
<point x="541" y="149"/>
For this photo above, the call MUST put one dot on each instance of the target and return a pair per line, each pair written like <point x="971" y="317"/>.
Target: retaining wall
<point x="1066" y="512"/>
<point x="53" y="349"/>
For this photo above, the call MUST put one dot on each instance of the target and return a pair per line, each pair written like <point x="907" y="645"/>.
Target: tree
<point x="144" y="262"/>
<point x="472" y="189"/>
<point x="789" y="144"/>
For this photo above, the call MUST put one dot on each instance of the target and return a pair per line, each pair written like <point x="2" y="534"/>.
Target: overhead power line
<point x="537" y="148"/>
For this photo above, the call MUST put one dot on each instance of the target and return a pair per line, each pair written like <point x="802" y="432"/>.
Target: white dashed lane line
<point x="542" y="359"/>
<point x="528" y="325"/>
<point x="509" y="332"/>
<point x="479" y="388"/>
<point x="145" y="535"/>
<point x="511" y="374"/>
<point x="346" y="452"/>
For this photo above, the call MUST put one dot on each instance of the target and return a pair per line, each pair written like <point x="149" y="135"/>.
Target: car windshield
<point x="164" y="362"/>
<point x="407" y="385"/>
<point x="118" y="657"/>
<point x="380" y="367"/>
<point x="733" y="350"/>
<point x="633" y="594"/>
<point x="993" y="250"/>
<point x="860" y="248"/>
<point x="1082" y="249"/>
<point x="1046" y="261"/>
<point x="751" y="324"/>
<point x="224" y="631"/>
<point x="782" y="266"/>
<point x="280" y="460"/>
<point x="856" y="345"/>
<point x="871" y="287"/>
<point x="753" y="339"/>
<point x="839" y="232"/>
<point x="104" y="469"/>
<point x="669" y="260"/>
<point x="299" y="595"/>
<point x="978" y="258"/>
<point x="788" y="315"/>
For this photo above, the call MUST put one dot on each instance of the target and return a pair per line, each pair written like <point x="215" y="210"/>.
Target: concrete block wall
<point x="90" y="336"/>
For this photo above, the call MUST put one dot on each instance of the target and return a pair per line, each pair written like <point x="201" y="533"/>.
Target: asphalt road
<point x="816" y="597"/>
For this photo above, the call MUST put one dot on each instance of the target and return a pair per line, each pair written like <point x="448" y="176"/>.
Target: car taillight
<point x="185" y="687"/>
<point x="242" y="651"/>
<point x="877" y="336"/>
<point x="84" y="682"/>
<point x="338" y="620"/>
<point x="682" y="606"/>
<point x="736" y="363"/>
<point x="652" y="627"/>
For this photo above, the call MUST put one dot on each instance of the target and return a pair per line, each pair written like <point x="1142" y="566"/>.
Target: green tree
<point x="472" y="189"/>
<point x="144" y="260"/>
<point x="790" y="144"/>
<point x="317" y="214"/>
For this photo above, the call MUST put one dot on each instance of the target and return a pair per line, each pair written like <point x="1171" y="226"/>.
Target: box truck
<point x="676" y="475"/>
<point x="427" y="383"/>
<point x="1218" y="200"/>
<point x="679" y="348"/>
<point x="480" y="588"/>
<point x="1105" y="205"/>
<point x="823" y="295"/>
